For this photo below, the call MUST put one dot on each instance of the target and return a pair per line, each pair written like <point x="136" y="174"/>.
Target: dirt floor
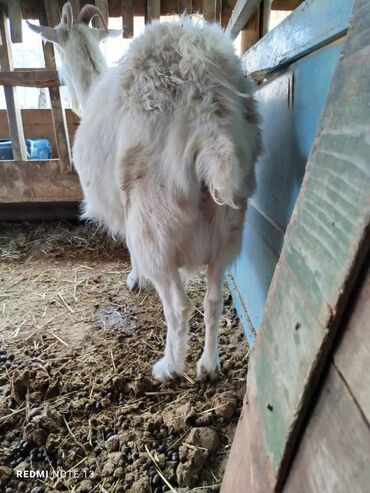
<point x="78" y="405"/>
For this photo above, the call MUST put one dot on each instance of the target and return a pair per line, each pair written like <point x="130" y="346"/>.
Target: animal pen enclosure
<point x="300" y="284"/>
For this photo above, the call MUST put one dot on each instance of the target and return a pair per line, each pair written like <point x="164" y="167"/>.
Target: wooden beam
<point x="127" y="10"/>
<point x="282" y="46"/>
<point x="243" y="11"/>
<point x="50" y="15"/>
<point x="37" y="181"/>
<point x="286" y="4"/>
<point x="226" y="11"/>
<point x="13" y="110"/>
<point x="30" y="78"/>
<point x="15" y="18"/>
<point x="153" y="10"/>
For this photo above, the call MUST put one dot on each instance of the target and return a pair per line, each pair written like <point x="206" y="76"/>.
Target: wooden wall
<point x="334" y="455"/>
<point x="324" y="249"/>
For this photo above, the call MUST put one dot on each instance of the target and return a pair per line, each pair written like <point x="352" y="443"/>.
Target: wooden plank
<point x="127" y="9"/>
<point x="244" y="475"/>
<point x="334" y="454"/>
<point x="15" y="18"/>
<point x="76" y="7"/>
<point x="251" y="33"/>
<point x="13" y="110"/>
<point x="296" y="98"/>
<point x="209" y="10"/>
<point x="243" y="11"/>
<point x="322" y="253"/>
<point x="253" y="269"/>
<point x="311" y="25"/>
<point x="286" y="4"/>
<point x="265" y="9"/>
<point x="226" y="11"/>
<point x="353" y="354"/>
<point x="37" y="181"/>
<point x="30" y="78"/>
<point x="50" y="15"/>
<point x="153" y="10"/>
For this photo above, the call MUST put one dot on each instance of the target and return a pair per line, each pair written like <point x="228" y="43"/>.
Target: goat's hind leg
<point x="132" y="280"/>
<point x="177" y="309"/>
<point x="209" y="362"/>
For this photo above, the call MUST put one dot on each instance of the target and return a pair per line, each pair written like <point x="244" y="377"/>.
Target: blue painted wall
<point x="291" y="102"/>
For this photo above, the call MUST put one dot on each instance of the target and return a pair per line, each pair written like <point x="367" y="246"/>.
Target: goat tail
<point x="219" y="168"/>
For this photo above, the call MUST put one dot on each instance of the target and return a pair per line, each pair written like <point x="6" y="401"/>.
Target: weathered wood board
<point x="353" y="355"/>
<point x="335" y="450"/>
<point x="310" y="26"/>
<point x="242" y="12"/>
<point x="30" y="78"/>
<point x="37" y="181"/>
<point x="323" y="250"/>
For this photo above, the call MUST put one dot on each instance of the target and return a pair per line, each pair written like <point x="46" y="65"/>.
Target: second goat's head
<point x="78" y="46"/>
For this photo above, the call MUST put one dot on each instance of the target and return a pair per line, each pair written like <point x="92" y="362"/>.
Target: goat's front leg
<point x="177" y="309"/>
<point x="209" y="362"/>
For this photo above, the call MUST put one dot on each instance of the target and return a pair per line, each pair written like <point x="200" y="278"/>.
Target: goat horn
<point x="88" y="12"/>
<point x="67" y="15"/>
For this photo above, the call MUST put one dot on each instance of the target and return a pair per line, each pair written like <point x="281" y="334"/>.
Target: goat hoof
<point x="132" y="281"/>
<point x="207" y="368"/>
<point x="164" y="370"/>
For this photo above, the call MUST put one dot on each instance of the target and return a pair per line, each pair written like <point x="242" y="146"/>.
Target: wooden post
<point x="257" y="26"/>
<point x="185" y="6"/>
<point x="127" y="10"/>
<point x="15" y="17"/>
<point x="153" y="10"/>
<point x="251" y="33"/>
<point x="50" y="15"/>
<point x="209" y="10"/>
<point x="265" y="13"/>
<point x="76" y="7"/>
<point x="13" y="111"/>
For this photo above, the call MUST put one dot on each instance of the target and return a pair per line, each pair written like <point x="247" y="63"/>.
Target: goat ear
<point x="48" y="33"/>
<point x="67" y="16"/>
<point x="104" y="33"/>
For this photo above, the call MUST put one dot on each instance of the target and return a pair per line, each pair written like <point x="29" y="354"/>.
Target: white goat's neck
<point x="82" y="65"/>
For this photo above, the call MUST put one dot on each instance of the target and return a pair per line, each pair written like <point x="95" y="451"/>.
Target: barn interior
<point x="78" y="404"/>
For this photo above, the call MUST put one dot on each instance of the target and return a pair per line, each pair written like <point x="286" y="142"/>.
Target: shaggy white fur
<point x="166" y="152"/>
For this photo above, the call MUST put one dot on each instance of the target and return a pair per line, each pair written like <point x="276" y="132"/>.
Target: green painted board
<point x="323" y="249"/>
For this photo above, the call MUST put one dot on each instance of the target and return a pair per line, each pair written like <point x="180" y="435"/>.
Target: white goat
<point x="165" y="152"/>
